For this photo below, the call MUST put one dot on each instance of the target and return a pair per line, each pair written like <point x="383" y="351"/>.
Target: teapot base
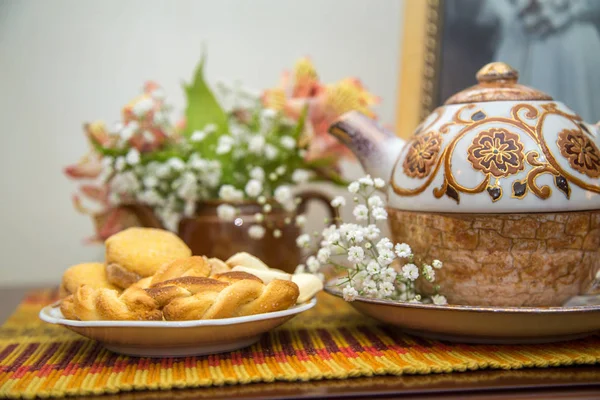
<point x="505" y="259"/>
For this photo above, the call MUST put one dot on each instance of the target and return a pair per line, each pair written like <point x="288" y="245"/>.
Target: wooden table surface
<point x="546" y="383"/>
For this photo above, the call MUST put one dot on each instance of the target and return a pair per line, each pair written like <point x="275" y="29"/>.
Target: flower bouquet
<point x="241" y="153"/>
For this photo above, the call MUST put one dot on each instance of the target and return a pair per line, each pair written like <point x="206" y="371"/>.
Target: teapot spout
<point x="375" y="147"/>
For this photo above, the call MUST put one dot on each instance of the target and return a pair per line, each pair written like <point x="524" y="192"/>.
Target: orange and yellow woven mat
<point x="331" y="341"/>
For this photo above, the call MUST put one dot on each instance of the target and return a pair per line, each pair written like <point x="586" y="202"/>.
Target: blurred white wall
<point x="64" y="62"/>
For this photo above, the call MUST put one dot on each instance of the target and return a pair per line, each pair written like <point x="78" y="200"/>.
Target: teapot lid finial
<point x="497" y="81"/>
<point x="497" y="72"/>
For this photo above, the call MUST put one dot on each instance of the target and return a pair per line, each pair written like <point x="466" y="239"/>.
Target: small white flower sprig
<point x="374" y="266"/>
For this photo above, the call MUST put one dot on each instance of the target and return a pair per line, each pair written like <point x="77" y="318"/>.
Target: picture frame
<point x="420" y="62"/>
<point x="554" y="46"/>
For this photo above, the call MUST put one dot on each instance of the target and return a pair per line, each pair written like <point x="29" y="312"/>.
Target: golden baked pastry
<point x="217" y="266"/>
<point x="136" y="253"/>
<point x="91" y="304"/>
<point x="92" y="274"/>
<point x="189" y="266"/>
<point x="229" y="294"/>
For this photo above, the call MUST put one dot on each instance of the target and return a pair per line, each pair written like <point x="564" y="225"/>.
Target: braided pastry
<point x="100" y="304"/>
<point x="229" y="294"/>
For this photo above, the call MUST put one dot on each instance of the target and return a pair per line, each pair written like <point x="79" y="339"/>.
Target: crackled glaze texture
<point x="506" y="259"/>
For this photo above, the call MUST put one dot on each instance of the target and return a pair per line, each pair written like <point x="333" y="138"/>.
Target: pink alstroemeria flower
<point x="324" y="103"/>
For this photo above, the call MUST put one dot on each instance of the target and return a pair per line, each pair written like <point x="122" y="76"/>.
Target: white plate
<point x="176" y="338"/>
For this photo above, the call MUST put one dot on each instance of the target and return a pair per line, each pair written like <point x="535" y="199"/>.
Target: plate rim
<point x="45" y="316"/>
<point x="464" y="308"/>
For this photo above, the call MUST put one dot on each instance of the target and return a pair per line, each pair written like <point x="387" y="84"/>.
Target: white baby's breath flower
<point x="354" y="187"/>
<point x="403" y="250"/>
<point x="361" y="212"/>
<point x="267" y="208"/>
<point x="300" y="220"/>
<point x="349" y="293"/>
<point x="277" y="233"/>
<point x="120" y="163"/>
<point x="129" y="130"/>
<point x="107" y="162"/>
<point x="375" y="201"/>
<point x="148" y="137"/>
<point x="379" y="183"/>
<point x="189" y="208"/>
<point x="356" y="254"/>
<point x="133" y="157"/>
<point x="379" y="213"/>
<point x="301" y="175"/>
<point x="287" y="142"/>
<point x="253" y="188"/>
<point x="170" y="220"/>
<point x="258" y="217"/>
<point x="410" y="272"/>
<point x="256" y="232"/>
<point x="300" y="269"/>
<point x="198" y="136"/>
<point x="142" y="107"/>
<point x="313" y="264"/>
<point x="338" y="201"/>
<point x="230" y="193"/>
<point x="373" y="267"/>
<point x="372" y="232"/>
<point x="226" y="212"/>
<point x="150" y="197"/>
<point x="210" y="128"/>
<point x="271" y="151"/>
<point x="385" y="257"/>
<point x="150" y="181"/>
<point x="437" y="264"/>
<point x="323" y="255"/>
<point x="333" y="238"/>
<point x="163" y="170"/>
<point x="384" y="244"/>
<point x="303" y="240"/>
<point x="225" y="144"/>
<point x="388" y="274"/>
<point x="257" y="173"/>
<point x="366" y="180"/>
<point x="428" y="273"/>
<point x="439" y="300"/>
<point x="187" y="186"/>
<point x="386" y="289"/>
<point x="256" y="144"/>
<point x="283" y="194"/>
<point x="355" y="235"/>
<point x="125" y="183"/>
<point x="280" y="170"/>
<point x="370" y="286"/>
<point x="176" y="163"/>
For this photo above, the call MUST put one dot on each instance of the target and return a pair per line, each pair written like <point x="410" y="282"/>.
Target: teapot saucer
<point x="484" y="324"/>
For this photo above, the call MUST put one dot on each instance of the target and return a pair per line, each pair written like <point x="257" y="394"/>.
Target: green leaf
<point x="202" y="106"/>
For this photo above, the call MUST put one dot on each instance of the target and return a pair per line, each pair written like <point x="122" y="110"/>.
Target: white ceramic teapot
<point x="502" y="183"/>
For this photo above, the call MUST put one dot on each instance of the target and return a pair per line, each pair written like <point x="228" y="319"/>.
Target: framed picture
<point x="554" y="44"/>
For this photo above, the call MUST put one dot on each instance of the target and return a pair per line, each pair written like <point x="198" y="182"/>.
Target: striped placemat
<point x="331" y="341"/>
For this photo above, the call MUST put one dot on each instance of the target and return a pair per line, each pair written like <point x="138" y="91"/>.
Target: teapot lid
<point x="497" y="82"/>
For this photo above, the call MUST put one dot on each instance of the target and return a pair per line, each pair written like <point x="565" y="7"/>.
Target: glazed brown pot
<point x="506" y="259"/>
<point x="208" y="235"/>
